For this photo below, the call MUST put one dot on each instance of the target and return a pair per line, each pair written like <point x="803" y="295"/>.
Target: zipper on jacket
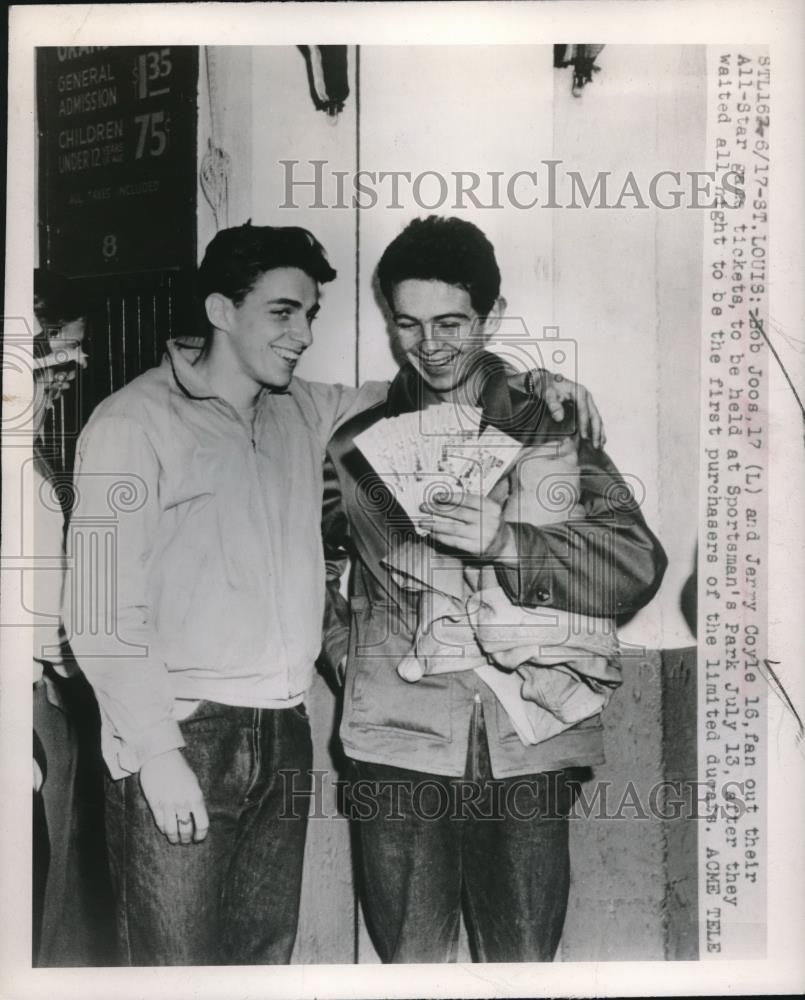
<point x="267" y="522"/>
<point x="474" y="741"/>
<point x="249" y="426"/>
<point x="250" y="431"/>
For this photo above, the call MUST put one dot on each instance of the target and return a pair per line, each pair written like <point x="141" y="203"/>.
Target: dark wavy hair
<point x="236" y="258"/>
<point x="443" y="249"/>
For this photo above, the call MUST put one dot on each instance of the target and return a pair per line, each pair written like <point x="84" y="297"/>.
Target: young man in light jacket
<point x="205" y="476"/>
<point x="211" y="466"/>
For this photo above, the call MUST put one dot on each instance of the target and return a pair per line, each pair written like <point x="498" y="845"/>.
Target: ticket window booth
<point x="117" y="208"/>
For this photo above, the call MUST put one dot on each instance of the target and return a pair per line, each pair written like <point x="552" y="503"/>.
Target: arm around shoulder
<point x="607" y="563"/>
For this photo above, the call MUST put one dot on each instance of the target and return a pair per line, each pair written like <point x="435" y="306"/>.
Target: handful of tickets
<point x="436" y="454"/>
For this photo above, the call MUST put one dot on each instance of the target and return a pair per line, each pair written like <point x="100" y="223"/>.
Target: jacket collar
<point x="180" y="358"/>
<point x="516" y="413"/>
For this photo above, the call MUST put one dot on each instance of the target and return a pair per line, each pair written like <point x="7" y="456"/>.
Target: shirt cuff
<point x="158" y="739"/>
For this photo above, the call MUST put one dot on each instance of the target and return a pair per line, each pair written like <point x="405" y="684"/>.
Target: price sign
<point x="117" y="150"/>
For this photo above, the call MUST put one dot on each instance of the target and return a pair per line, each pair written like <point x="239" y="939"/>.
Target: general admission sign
<point x="117" y="149"/>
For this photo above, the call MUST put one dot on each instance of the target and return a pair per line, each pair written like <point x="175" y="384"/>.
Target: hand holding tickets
<point x="436" y="459"/>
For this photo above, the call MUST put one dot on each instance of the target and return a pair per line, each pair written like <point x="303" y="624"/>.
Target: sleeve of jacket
<point x="107" y="611"/>
<point x="606" y="564"/>
<point x="335" y="533"/>
<point x="335" y="404"/>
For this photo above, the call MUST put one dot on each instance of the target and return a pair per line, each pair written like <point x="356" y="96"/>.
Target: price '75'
<point x="153" y="133"/>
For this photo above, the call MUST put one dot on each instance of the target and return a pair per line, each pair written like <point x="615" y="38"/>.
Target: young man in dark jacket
<point x="453" y="808"/>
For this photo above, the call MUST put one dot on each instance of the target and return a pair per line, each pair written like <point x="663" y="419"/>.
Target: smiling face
<point x="439" y="331"/>
<point x="271" y="328"/>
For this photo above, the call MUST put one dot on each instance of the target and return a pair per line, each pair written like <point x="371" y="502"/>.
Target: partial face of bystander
<point x="57" y="367"/>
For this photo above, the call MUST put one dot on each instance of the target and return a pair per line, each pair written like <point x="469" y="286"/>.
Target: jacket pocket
<point x="301" y="711"/>
<point x="183" y="575"/>
<point x="377" y="697"/>
<point x="506" y="731"/>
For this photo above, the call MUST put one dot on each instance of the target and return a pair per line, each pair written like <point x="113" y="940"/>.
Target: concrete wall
<point x="619" y="284"/>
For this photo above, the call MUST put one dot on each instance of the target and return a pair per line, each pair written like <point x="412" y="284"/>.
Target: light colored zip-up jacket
<point x="197" y="569"/>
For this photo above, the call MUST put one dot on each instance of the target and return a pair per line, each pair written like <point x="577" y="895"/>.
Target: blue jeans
<point x="430" y="845"/>
<point x="234" y="898"/>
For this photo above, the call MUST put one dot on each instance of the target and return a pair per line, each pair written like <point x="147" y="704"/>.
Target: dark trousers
<point x="72" y="905"/>
<point x="234" y="898"/>
<point x="430" y="845"/>
<point x="61" y="918"/>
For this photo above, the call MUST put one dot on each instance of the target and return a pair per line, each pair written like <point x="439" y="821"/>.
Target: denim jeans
<point x="430" y="845"/>
<point x="233" y="899"/>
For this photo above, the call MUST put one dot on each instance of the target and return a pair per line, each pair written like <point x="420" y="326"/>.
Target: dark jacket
<point x="606" y="564"/>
